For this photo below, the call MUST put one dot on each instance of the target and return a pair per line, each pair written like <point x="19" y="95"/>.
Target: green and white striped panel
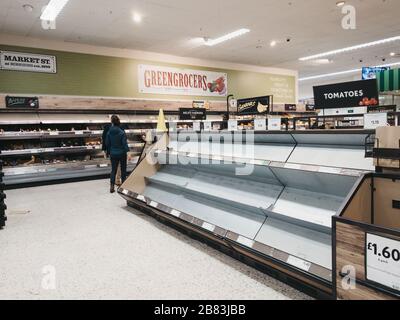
<point x="389" y="80"/>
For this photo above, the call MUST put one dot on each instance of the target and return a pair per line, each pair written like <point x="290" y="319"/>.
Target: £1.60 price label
<point x="383" y="261"/>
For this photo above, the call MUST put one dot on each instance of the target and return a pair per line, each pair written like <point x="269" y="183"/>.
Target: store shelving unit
<point x="279" y="213"/>
<point x="56" y="145"/>
<point x="3" y="206"/>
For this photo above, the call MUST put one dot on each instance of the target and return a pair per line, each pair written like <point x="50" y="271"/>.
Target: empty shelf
<point x="298" y="241"/>
<point x="249" y="151"/>
<point x="310" y="209"/>
<point x="244" y="223"/>
<point x="234" y="191"/>
<point x="341" y="156"/>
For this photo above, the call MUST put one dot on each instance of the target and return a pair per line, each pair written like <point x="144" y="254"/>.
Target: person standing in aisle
<point x="117" y="147"/>
<point x="107" y="127"/>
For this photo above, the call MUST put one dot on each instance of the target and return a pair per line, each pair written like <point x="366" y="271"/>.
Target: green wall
<point x="94" y="75"/>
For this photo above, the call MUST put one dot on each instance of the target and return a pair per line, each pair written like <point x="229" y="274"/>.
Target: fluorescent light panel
<point x="53" y="9"/>
<point x="348" y="49"/>
<point x="327" y="75"/>
<point x="229" y="36"/>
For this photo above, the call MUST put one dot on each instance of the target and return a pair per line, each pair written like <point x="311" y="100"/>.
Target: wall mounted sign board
<point x="192" y="114"/>
<point x="371" y="72"/>
<point x="254" y="106"/>
<point x="310" y="107"/>
<point x="383" y="261"/>
<point x="347" y="95"/>
<point x="198" y="104"/>
<point x="29" y="62"/>
<point x="22" y="102"/>
<point x="176" y="81"/>
<point x="290" y="107"/>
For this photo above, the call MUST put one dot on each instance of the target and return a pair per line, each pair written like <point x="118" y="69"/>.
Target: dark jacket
<point x="116" y="142"/>
<point x="104" y="137"/>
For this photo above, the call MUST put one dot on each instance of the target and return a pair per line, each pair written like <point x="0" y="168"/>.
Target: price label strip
<point x="383" y="261"/>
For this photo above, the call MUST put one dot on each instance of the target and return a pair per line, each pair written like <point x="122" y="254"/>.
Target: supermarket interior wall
<point x="82" y="74"/>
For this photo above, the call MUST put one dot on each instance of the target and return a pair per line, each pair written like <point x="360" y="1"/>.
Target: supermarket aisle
<point x="79" y="242"/>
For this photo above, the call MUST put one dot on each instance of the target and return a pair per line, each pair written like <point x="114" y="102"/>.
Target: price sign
<point x="383" y="261"/>
<point x="375" y="120"/>
<point x="207" y="125"/>
<point x="173" y="126"/>
<point x="232" y="125"/>
<point x="196" y="126"/>
<point x="274" y="124"/>
<point x="260" y="125"/>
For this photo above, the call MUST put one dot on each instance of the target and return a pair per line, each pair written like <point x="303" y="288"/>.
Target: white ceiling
<point x="169" y="26"/>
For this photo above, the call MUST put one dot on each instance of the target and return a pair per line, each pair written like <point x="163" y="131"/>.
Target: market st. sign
<point x="29" y="62"/>
<point x="175" y="81"/>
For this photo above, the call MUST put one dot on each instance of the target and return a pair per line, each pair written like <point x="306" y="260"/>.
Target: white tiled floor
<point x="100" y="249"/>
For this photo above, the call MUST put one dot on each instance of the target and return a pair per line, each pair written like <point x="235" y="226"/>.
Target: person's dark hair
<point x="115" y="120"/>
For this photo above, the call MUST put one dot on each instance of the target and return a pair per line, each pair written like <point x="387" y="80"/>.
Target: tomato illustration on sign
<point x="369" y="102"/>
<point x="218" y="86"/>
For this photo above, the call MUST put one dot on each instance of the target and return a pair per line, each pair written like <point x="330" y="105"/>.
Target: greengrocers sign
<point x="175" y="81"/>
<point x="18" y="61"/>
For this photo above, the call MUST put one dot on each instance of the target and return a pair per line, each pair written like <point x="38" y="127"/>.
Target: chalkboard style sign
<point x="362" y="93"/>
<point x="254" y="106"/>
<point x="192" y="114"/>
<point x="290" y="107"/>
<point x="22" y="102"/>
<point x="310" y="107"/>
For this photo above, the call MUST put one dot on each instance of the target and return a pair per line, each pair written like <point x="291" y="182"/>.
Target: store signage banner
<point x="383" y="261"/>
<point x="175" y="81"/>
<point x="347" y="95"/>
<point x="192" y="114"/>
<point x="30" y="62"/>
<point x="22" y="102"/>
<point x="254" y="106"/>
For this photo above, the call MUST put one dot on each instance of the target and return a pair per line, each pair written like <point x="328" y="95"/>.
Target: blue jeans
<point x="115" y="161"/>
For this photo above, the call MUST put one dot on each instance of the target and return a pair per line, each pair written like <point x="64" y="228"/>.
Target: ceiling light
<point x="361" y="46"/>
<point x="327" y="75"/>
<point x="322" y="61"/>
<point x="53" y="9"/>
<point x="273" y="43"/>
<point x="229" y="36"/>
<point x="137" y="17"/>
<point x="392" y="54"/>
<point x="340" y="3"/>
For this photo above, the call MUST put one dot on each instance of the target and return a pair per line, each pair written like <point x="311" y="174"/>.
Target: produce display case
<point x="48" y="146"/>
<point x="43" y="148"/>
<point x="278" y="214"/>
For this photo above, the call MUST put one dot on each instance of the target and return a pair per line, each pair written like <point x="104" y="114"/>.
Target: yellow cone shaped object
<point x="161" y="125"/>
